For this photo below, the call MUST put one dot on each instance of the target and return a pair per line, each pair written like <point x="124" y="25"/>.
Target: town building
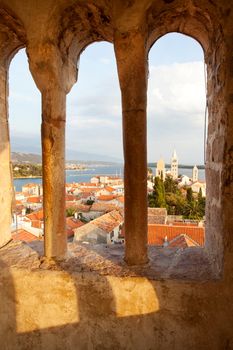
<point x="195" y="174"/>
<point x="104" y="229"/>
<point x="160" y="169"/>
<point x="199" y="185"/>
<point x="174" y="165"/>
<point x="33" y="189"/>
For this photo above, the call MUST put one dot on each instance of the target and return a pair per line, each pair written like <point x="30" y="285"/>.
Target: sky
<point x="175" y="109"/>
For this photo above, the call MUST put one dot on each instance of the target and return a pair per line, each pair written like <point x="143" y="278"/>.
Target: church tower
<point x="195" y="173"/>
<point x="174" y="166"/>
<point x="160" y="169"/>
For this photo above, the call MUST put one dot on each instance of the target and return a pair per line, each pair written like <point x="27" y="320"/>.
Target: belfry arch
<point x="12" y="38"/>
<point x="204" y="27"/>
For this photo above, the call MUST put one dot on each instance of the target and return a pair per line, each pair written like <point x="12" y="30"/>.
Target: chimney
<point x="165" y="243"/>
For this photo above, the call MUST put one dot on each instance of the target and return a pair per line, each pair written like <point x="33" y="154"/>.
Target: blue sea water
<point x="86" y="175"/>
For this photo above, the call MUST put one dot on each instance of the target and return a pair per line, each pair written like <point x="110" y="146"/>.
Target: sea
<point x="87" y="174"/>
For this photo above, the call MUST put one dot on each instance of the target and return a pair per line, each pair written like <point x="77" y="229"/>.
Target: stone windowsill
<point x="165" y="263"/>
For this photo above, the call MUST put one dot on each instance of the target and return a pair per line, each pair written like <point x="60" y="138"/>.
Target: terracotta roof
<point x="103" y="207"/>
<point x="121" y="199"/>
<point x="177" y="223"/>
<point x="182" y="241"/>
<point x="109" y="188"/>
<point x="109" y="221"/>
<point x="89" y="184"/>
<point x="37" y="224"/>
<point x="23" y="235"/>
<point x="107" y="197"/>
<point x="70" y="198"/>
<point x="35" y="215"/>
<point x="34" y="199"/>
<point x="89" y="190"/>
<point x="85" y="195"/>
<point x="78" y="207"/>
<point x="71" y="224"/>
<point x="157" y="233"/>
<point x="100" y="226"/>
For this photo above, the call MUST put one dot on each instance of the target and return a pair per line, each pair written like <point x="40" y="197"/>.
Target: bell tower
<point x="174" y="166"/>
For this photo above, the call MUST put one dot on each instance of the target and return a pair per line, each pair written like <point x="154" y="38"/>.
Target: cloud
<point x="176" y="103"/>
<point x="105" y="60"/>
<point x="176" y="108"/>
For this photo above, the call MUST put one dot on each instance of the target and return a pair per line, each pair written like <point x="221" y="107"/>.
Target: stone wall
<point x="47" y="306"/>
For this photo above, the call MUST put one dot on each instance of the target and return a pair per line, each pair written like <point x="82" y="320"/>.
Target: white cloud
<point x="105" y="60"/>
<point x="178" y="87"/>
<point x="176" y="105"/>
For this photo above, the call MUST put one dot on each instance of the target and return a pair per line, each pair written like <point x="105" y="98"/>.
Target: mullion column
<point x="132" y="70"/>
<point x="53" y="157"/>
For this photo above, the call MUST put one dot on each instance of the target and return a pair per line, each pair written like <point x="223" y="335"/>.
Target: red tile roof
<point x="70" y="198"/>
<point x="36" y="215"/>
<point x="109" y="188"/>
<point x="103" y="207"/>
<point x="121" y="199"/>
<point x="193" y="224"/>
<point x="157" y="233"/>
<point x="71" y="224"/>
<point x="182" y="241"/>
<point x="109" y="197"/>
<point x="23" y="235"/>
<point x="34" y="199"/>
<point x="78" y="207"/>
<point x="109" y="221"/>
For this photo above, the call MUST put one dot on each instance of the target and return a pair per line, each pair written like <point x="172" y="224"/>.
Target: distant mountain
<point x="73" y="157"/>
<point x="17" y="157"/>
<point x="30" y="145"/>
<point x="89" y="157"/>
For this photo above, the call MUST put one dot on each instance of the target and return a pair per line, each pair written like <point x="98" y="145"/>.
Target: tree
<point x="157" y="198"/>
<point x="191" y="211"/>
<point x="70" y="212"/>
<point x="189" y="195"/>
<point x="201" y="203"/>
<point x="170" y="185"/>
<point x="175" y="203"/>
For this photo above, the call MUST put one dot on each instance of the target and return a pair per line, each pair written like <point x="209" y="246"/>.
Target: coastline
<point x="27" y="177"/>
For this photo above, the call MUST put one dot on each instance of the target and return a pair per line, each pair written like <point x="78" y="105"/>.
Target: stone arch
<point x="12" y="38"/>
<point x="82" y="25"/>
<point x="195" y="21"/>
<point x="12" y="35"/>
<point x="203" y="24"/>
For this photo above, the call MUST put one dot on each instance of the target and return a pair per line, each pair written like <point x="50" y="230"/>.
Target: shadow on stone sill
<point x="165" y="263"/>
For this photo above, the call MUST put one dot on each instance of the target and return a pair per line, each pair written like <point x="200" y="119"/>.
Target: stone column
<point x="54" y="75"/>
<point x="132" y="70"/>
<point x="53" y="156"/>
<point x="6" y="189"/>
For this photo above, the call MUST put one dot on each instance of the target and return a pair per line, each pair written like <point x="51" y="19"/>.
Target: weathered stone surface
<point x="93" y="300"/>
